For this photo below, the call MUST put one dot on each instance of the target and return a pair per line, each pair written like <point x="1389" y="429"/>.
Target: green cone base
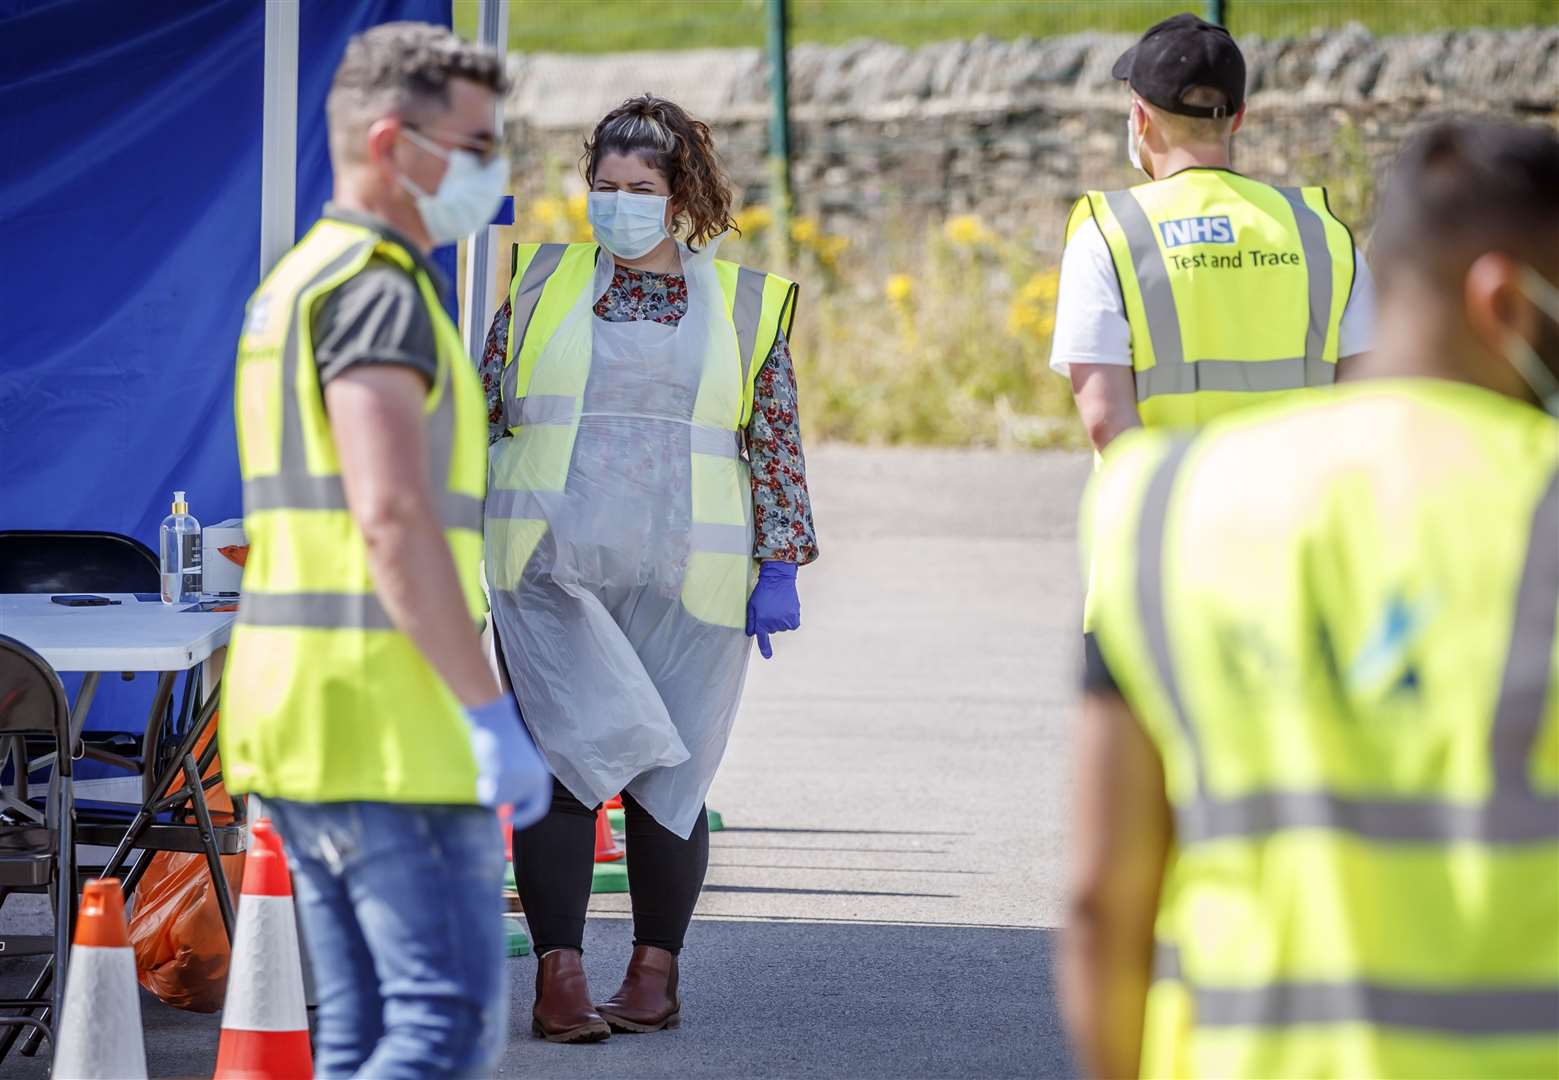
<point x="610" y="877"/>
<point x="716" y="822"/>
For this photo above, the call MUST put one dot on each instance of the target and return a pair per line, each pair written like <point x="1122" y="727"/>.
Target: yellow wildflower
<point x="899" y="287"/>
<point x="754" y="219"/>
<point x="804" y="231"/>
<point x="576" y="217"/>
<point x="965" y="230"/>
<point x="546" y="211"/>
<point x="1032" y="313"/>
<point x="829" y="248"/>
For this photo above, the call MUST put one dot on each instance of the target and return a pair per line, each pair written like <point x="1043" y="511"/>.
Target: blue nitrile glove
<point x="508" y="767"/>
<point x="774" y="605"/>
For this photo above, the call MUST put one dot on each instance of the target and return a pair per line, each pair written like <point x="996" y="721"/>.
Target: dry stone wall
<point x="884" y="136"/>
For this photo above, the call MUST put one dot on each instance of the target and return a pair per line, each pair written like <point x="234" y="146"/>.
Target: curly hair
<point x="402" y="69"/>
<point x="664" y="136"/>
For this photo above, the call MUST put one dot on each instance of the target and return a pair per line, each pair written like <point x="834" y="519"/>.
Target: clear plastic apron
<point x="621" y="687"/>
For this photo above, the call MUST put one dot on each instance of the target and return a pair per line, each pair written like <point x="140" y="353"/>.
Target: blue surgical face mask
<point x="467" y="197"/>
<point x="626" y="224"/>
<point x="1523" y="356"/>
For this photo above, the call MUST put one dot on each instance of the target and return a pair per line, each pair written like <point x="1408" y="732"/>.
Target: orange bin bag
<point x="181" y="950"/>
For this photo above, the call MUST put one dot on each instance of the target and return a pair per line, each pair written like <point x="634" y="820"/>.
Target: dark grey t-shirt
<point x="376" y="317"/>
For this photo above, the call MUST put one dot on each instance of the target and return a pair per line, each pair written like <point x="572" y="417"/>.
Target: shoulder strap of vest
<point x="1082" y="210"/>
<point x="547" y="279"/>
<point x="1317" y="194"/>
<point x="762" y="306"/>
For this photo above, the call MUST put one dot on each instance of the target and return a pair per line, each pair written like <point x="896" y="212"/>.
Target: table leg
<point x="78" y="711"/>
<point x="209" y="839"/>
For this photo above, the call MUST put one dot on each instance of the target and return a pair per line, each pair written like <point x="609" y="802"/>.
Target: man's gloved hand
<point x="509" y="770"/>
<point x="774" y="605"/>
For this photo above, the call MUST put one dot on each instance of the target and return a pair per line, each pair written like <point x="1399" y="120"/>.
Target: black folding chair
<point x="52" y="561"/>
<point x="43" y="561"/>
<point x="37" y="848"/>
<point x="168" y="819"/>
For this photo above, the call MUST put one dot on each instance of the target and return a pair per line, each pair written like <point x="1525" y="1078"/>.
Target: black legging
<point x="554" y="860"/>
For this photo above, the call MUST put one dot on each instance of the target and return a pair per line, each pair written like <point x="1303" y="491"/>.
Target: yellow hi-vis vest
<point x="542" y="409"/>
<point x="1350" y="677"/>
<point x="1234" y="289"/>
<point x="324" y="700"/>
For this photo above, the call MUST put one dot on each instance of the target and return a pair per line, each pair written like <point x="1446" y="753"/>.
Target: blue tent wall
<point x="129" y="242"/>
<point x="130" y="238"/>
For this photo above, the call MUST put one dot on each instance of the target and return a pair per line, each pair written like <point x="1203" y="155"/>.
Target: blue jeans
<point x="401" y="908"/>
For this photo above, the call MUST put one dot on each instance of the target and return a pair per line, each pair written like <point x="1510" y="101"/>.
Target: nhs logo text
<point x="1196" y="230"/>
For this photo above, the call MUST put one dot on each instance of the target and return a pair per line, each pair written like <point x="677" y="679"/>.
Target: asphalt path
<point x="884" y="900"/>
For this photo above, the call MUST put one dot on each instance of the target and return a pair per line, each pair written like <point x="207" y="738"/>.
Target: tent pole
<point x="492" y="22"/>
<point x="279" y="137"/>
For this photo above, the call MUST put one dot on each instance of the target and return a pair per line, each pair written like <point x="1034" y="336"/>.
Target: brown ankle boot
<point x="647" y="999"/>
<point x="563" y="1013"/>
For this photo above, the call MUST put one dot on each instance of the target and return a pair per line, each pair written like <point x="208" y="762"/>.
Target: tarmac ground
<point x="885" y="898"/>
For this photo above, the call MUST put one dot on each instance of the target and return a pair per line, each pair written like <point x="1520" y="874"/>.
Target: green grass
<point x="622" y="25"/>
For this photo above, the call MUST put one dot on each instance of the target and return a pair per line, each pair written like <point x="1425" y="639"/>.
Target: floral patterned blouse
<point x="782" y="508"/>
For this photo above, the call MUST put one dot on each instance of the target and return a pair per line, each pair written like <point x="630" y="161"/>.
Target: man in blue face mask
<point x="358" y="700"/>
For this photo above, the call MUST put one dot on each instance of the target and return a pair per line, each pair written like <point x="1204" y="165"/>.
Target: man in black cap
<point x="1202" y="291"/>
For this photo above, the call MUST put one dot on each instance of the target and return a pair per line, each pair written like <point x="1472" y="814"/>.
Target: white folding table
<point x="136" y="636"/>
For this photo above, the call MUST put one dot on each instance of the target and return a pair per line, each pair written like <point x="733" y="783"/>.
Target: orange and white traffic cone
<point x="265" y="1025"/>
<point x="606" y="847"/>
<point x="100" y="1031"/>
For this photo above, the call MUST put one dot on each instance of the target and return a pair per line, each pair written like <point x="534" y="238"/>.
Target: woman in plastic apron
<point x="647" y="512"/>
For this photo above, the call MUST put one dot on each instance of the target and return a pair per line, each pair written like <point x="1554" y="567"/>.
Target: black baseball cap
<point x="1181" y="52"/>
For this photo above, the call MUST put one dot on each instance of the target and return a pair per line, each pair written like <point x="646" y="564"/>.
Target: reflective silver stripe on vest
<point x="314" y="611"/>
<point x="1150" y="589"/>
<point x="1461" y="1010"/>
<point x="1458" y="1010"/>
<point x="523" y="505"/>
<point x="1171" y="373"/>
<point x="454" y="508"/>
<point x="293" y="493"/>
<point x="1528" y="677"/>
<point x="456" y="511"/>
<point x="545" y="409"/>
<point x="716" y="442"/>
<point x="721" y="539"/>
<point x="1241" y="376"/>
<point x="746" y="310"/>
<point x="526" y="297"/>
<point x="544" y="506"/>
<point x="1509" y="817"/>
<point x="1158" y="299"/>
<point x="1318" y="266"/>
<point x="459" y="511"/>
<point x="1514" y="814"/>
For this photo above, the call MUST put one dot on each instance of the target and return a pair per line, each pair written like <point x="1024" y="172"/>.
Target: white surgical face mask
<point x="1519" y="351"/>
<point x="467" y="197"/>
<point x="626" y="224"/>
<point x="1134" y="148"/>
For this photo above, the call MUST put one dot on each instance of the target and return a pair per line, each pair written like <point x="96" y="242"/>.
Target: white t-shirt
<point x="1091" y="325"/>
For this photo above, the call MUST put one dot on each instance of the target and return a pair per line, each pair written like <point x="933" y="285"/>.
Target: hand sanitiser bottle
<point x="180" y="554"/>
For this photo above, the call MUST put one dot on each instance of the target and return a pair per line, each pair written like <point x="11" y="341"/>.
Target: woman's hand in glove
<point x="774" y="605"/>
<point x="509" y="770"/>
